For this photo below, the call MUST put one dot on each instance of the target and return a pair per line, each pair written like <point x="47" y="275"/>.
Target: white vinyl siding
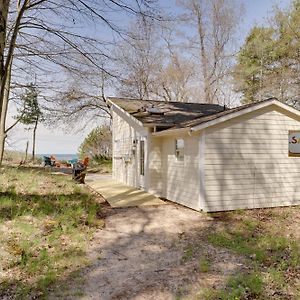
<point x="155" y="167"/>
<point x="244" y="162"/>
<point x="125" y="164"/>
<point x="180" y="178"/>
<point x="247" y="163"/>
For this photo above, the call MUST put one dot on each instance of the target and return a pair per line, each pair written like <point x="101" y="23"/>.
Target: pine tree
<point x="268" y="63"/>
<point x="31" y="113"/>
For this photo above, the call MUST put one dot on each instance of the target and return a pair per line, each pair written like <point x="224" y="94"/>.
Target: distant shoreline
<point x="60" y="156"/>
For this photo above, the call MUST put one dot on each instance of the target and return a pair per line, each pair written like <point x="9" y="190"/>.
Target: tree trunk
<point x="203" y="55"/>
<point x="2" y="144"/>
<point x="4" y="5"/>
<point x="5" y="99"/>
<point x="5" y="66"/>
<point x="33" y="139"/>
<point x="26" y="152"/>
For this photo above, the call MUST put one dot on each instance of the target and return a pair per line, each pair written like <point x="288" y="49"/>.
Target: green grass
<point x="100" y="166"/>
<point x="187" y="252"/>
<point x="271" y="258"/>
<point x="204" y="264"/>
<point x="45" y="224"/>
<point x="263" y="248"/>
<point x="244" y="286"/>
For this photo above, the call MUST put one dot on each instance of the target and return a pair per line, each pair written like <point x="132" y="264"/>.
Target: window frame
<point x="296" y="136"/>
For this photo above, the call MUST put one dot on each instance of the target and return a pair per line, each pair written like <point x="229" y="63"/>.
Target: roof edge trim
<point x="171" y="131"/>
<point x="125" y="112"/>
<point x="256" y="107"/>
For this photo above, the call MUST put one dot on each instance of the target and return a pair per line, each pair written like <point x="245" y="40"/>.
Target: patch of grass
<point x="204" y="264"/>
<point x="100" y="166"/>
<point x="180" y="293"/>
<point x="273" y="258"/>
<point x="44" y="229"/>
<point x="187" y="252"/>
<point x="276" y="278"/>
<point x="15" y="157"/>
<point x="263" y="248"/>
<point x="238" y="242"/>
<point x="251" y="224"/>
<point x="244" y="286"/>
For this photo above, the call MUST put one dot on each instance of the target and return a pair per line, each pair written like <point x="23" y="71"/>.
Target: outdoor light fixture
<point x="134" y="143"/>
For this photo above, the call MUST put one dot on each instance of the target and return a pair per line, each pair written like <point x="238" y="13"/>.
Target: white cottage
<point x="207" y="157"/>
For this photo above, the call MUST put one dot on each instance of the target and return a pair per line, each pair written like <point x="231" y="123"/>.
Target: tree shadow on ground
<point x="144" y="253"/>
<point x="14" y="204"/>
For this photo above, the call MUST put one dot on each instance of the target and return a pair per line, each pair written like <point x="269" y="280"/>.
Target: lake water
<point x="60" y="156"/>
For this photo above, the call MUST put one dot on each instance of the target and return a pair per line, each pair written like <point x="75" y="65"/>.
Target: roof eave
<point x="169" y="132"/>
<point x="125" y="112"/>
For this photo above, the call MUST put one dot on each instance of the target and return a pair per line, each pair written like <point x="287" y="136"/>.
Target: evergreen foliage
<point x="97" y="145"/>
<point x="31" y="112"/>
<point x="269" y="61"/>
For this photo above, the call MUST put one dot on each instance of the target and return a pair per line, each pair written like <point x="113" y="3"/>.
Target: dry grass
<point x="269" y="241"/>
<point x="45" y="223"/>
<point x="15" y="157"/>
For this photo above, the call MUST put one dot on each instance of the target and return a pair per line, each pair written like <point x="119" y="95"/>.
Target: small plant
<point x="239" y="242"/>
<point x="204" y="264"/>
<point x="180" y="293"/>
<point x="276" y="278"/>
<point x="244" y="286"/>
<point x="248" y="286"/>
<point x="187" y="252"/>
<point x="24" y="258"/>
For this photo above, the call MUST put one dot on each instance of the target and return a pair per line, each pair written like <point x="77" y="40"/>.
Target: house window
<point x="142" y="157"/>
<point x="294" y="143"/>
<point x="179" y="149"/>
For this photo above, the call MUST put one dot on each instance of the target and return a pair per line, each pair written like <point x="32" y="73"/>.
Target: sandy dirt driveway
<point x="148" y="253"/>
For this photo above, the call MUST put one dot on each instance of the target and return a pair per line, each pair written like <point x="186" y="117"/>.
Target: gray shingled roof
<point x="175" y="115"/>
<point x="165" y="114"/>
<point x="205" y="119"/>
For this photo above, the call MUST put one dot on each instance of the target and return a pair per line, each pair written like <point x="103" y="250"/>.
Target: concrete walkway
<point x="119" y="195"/>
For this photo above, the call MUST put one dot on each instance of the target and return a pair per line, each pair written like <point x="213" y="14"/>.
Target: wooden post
<point x="33" y="140"/>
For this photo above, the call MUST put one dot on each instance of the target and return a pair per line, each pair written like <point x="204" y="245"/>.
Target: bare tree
<point x="138" y="60"/>
<point x="215" y="22"/>
<point x="175" y="79"/>
<point x="163" y="63"/>
<point x="44" y="37"/>
<point x="151" y="65"/>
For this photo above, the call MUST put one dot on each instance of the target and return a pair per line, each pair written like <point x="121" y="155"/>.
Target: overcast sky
<point x="67" y="141"/>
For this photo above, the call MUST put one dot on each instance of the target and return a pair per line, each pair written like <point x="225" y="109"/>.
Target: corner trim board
<point x="202" y="192"/>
